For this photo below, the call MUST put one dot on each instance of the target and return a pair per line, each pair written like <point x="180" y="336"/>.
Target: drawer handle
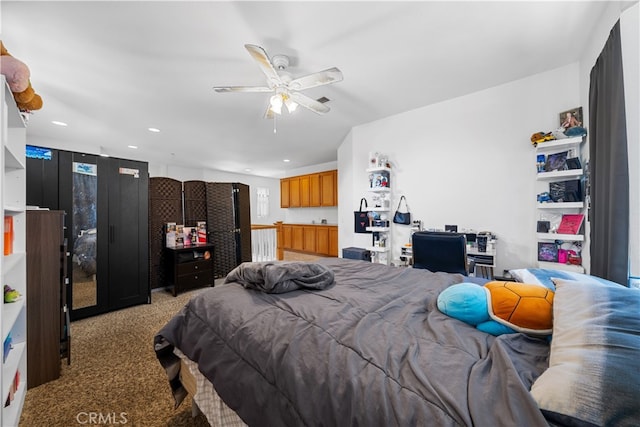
<point x="196" y="277"/>
<point x="196" y="267"/>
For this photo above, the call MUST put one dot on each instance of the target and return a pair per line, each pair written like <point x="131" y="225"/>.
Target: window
<point x="263" y="201"/>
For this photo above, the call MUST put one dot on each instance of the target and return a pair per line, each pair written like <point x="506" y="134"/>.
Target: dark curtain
<point x="609" y="174"/>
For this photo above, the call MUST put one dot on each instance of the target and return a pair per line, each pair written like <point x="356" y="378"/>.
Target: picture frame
<point x="547" y="252"/>
<point x="556" y="162"/>
<point x="571" y="118"/>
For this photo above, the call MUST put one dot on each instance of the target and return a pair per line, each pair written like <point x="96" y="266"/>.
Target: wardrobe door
<point x="128" y="233"/>
<point x="82" y="194"/>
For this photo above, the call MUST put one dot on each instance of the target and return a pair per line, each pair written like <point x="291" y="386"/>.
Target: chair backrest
<point x="440" y="251"/>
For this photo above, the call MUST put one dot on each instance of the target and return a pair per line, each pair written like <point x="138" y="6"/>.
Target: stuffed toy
<point x="10" y="294"/>
<point x="500" y="307"/>
<point x="17" y="75"/>
<point x="16" y="72"/>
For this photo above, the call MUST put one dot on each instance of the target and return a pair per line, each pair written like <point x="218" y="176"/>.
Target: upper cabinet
<point x="311" y="190"/>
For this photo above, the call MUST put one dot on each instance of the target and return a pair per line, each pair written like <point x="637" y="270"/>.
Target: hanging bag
<point x="401" y="217"/>
<point x="361" y="220"/>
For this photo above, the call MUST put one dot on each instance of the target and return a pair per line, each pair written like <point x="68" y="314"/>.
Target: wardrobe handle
<point x="112" y="234"/>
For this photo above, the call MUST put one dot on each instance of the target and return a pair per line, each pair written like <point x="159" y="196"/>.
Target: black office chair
<point x="440" y="251"/>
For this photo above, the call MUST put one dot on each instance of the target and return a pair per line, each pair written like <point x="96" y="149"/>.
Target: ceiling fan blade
<point x="320" y="78"/>
<point x="265" y="64"/>
<point x="309" y="103"/>
<point x="223" y="89"/>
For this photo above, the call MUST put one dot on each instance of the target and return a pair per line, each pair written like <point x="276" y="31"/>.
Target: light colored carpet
<point x="113" y="371"/>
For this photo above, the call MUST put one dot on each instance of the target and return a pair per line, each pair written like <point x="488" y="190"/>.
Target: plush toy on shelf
<point x="500" y="307"/>
<point x="10" y="294"/>
<point x="17" y="74"/>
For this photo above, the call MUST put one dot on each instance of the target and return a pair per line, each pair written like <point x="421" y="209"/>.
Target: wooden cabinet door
<point x="287" y="236"/>
<point x="309" y="239"/>
<point x="329" y="196"/>
<point x="294" y="192"/>
<point x="284" y="193"/>
<point x="322" y="240"/>
<point x="333" y="241"/>
<point x="304" y="191"/>
<point x="297" y="241"/>
<point x="315" y="195"/>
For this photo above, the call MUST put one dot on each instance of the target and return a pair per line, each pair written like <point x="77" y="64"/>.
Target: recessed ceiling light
<point x="57" y="123"/>
<point x="247" y="170"/>
<point x="156" y="130"/>
<point x="286" y="160"/>
<point x="135" y="147"/>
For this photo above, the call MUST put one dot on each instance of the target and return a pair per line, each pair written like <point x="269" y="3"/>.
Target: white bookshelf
<point x="14" y="265"/>
<point x="556" y="209"/>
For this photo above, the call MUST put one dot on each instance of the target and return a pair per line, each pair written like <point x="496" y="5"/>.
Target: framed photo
<point x="556" y="162"/>
<point x="571" y="118"/>
<point x="547" y="252"/>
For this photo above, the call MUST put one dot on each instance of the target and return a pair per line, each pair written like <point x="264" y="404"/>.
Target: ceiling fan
<point x="285" y="89"/>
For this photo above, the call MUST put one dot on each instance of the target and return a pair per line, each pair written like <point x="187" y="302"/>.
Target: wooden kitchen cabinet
<point x="314" y="190"/>
<point x="328" y="188"/>
<point x="311" y="190"/>
<point x="294" y="192"/>
<point x="287" y="236"/>
<point x="333" y="241"/>
<point x="309" y="234"/>
<point x="297" y="238"/>
<point x="304" y="191"/>
<point x="322" y="240"/>
<point x="317" y="239"/>
<point x="284" y="193"/>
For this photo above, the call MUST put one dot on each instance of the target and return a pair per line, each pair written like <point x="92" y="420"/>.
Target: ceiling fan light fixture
<point x="291" y="105"/>
<point x="276" y="103"/>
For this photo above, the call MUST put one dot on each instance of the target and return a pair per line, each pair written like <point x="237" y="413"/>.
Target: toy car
<point x="544" y="197"/>
<point x="539" y="137"/>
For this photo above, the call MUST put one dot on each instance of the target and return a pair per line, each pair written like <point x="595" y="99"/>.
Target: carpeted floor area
<point x="114" y="373"/>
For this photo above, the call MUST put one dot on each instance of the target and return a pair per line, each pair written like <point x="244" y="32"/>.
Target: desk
<point x="481" y="262"/>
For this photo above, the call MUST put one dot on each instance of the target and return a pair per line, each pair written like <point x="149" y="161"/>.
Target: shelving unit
<point x="381" y="236"/>
<point x="13" y="265"/>
<point x="545" y="209"/>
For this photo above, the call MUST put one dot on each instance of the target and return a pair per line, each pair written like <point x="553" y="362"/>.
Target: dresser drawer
<point x="194" y="267"/>
<point x="196" y="280"/>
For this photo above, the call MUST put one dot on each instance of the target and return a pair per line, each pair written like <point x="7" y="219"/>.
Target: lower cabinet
<point x="313" y="239"/>
<point x="190" y="267"/>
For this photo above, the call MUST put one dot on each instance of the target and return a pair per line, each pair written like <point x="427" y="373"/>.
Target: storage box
<point x="356" y="253"/>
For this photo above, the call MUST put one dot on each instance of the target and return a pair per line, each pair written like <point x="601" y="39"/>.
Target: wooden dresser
<point x="189" y="267"/>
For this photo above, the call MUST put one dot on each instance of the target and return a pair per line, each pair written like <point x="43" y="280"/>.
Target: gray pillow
<point x="594" y="363"/>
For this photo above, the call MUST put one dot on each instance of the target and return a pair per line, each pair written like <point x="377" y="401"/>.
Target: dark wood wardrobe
<point x="107" y="204"/>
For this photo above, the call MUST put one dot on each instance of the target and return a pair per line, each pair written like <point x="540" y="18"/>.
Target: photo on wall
<point x="571" y="118"/>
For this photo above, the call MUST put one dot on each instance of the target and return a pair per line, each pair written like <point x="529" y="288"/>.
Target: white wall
<point x="466" y="161"/>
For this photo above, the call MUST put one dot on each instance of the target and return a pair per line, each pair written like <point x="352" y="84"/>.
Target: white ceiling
<point x="113" y="69"/>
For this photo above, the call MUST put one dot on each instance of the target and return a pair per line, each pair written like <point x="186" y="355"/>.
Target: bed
<point x="372" y="349"/>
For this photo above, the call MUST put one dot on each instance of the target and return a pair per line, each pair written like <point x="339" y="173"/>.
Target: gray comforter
<point x="372" y="350"/>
